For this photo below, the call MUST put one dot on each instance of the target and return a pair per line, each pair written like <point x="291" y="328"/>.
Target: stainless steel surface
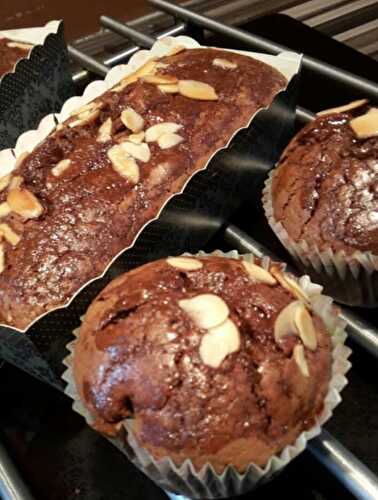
<point x="361" y="85"/>
<point x="350" y="471"/>
<point x="358" y="329"/>
<point x="12" y="486"/>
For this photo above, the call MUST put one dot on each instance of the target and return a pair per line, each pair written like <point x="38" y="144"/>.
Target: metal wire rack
<point x="354" y="475"/>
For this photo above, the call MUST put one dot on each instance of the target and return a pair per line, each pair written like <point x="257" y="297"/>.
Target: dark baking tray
<point x="60" y="458"/>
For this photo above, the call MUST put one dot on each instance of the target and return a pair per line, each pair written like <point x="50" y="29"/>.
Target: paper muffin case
<point x="206" y="483"/>
<point x="349" y="279"/>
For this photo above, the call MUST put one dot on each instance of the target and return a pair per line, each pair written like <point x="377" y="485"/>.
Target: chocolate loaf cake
<point x="325" y="189"/>
<point x="83" y="194"/>
<point x="10" y="53"/>
<point x="213" y="359"/>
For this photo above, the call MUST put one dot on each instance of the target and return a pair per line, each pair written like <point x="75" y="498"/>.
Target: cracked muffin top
<point x="325" y="189"/>
<point x="10" y="53"/>
<point x="214" y="359"/>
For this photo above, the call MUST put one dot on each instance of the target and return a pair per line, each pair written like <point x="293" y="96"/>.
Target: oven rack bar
<point x="361" y="86"/>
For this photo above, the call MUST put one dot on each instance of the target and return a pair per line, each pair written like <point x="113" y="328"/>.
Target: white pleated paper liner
<point x="349" y="279"/>
<point x="206" y="483"/>
<point x="287" y="63"/>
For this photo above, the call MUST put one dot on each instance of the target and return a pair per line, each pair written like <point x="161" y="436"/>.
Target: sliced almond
<point x="259" y="274"/>
<point x="105" y="131"/>
<point x="155" y="131"/>
<point x="289" y="283"/>
<point x="300" y="359"/>
<point x="159" y="79"/>
<point x="197" y="90"/>
<point x="8" y="233"/>
<point x="185" y="263"/>
<point x="218" y="343"/>
<point x="2" y="258"/>
<point x="305" y="327"/>
<point x="123" y="164"/>
<point x="169" y="140"/>
<point x="206" y="310"/>
<point x="285" y="324"/>
<point x="161" y="65"/>
<point x="61" y="167"/>
<point x="84" y="118"/>
<point x="86" y="108"/>
<point x="345" y="107"/>
<point x="18" y="45"/>
<point x="4" y="181"/>
<point x="365" y="126"/>
<point x="169" y="89"/>
<point x="140" y="152"/>
<point x="132" y="120"/>
<point x="4" y="209"/>
<point x="147" y="68"/>
<point x="24" y="203"/>
<point x="136" y="138"/>
<point x="16" y="182"/>
<point x="224" y="63"/>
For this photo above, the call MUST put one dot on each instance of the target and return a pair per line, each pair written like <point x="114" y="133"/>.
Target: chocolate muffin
<point x="211" y="359"/>
<point x="322" y="200"/>
<point x="10" y="53"/>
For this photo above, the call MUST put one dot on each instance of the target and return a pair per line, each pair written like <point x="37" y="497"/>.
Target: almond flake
<point x="300" y="359"/>
<point x="132" y="120"/>
<point x="205" y="310"/>
<point x="365" y="126"/>
<point x="259" y="274"/>
<point x="4" y="209"/>
<point x="285" y="324"/>
<point x="84" y="118"/>
<point x="289" y="283"/>
<point x="2" y="258"/>
<point x="9" y="234"/>
<point x="305" y="327"/>
<point x="159" y="79"/>
<point x="169" y="88"/>
<point x="169" y="140"/>
<point x="24" y="203"/>
<point x="185" y="263"/>
<point x="136" y="138"/>
<point x="224" y="63"/>
<point x="22" y="46"/>
<point x="15" y="182"/>
<point x="4" y="181"/>
<point x="148" y="68"/>
<point x="342" y="109"/>
<point x="123" y="164"/>
<point x="61" y="167"/>
<point x="155" y="131"/>
<point x="219" y="342"/>
<point x="87" y="108"/>
<point x="197" y="90"/>
<point x="140" y="152"/>
<point x="105" y="131"/>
